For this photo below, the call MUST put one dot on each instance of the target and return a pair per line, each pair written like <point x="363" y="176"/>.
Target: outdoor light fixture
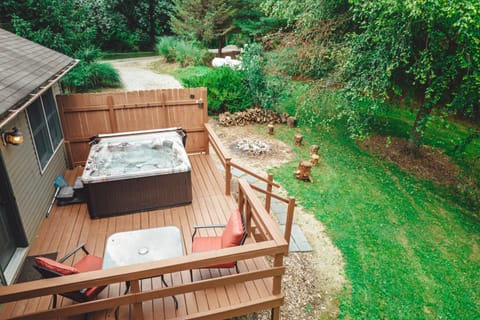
<point x="14" y="137"/>
<point x="200" y="103"/>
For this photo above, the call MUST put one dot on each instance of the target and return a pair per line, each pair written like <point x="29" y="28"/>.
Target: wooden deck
<point x="68" y="226"/>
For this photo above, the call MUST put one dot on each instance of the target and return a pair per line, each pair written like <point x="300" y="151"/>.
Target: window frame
<point x="53" y="148"/>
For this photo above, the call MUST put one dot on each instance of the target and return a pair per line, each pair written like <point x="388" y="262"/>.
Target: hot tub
<point x="137" y="171"/>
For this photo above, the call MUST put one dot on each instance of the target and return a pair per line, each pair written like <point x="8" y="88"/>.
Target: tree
<point x="204" y="20"/>
<point x="430" y="48"/>
<point x="56" y="24"/>
<point x="145" y="18"/>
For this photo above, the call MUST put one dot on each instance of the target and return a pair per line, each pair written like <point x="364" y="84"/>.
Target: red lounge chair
<point x="50" y="268"/>
<point x="234" y="234"/>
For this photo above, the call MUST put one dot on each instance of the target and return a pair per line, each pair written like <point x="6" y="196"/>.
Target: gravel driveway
<point x="135" y="74"/>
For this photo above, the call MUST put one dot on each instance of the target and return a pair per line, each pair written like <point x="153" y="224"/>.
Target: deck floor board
<point x="68" y="226"/>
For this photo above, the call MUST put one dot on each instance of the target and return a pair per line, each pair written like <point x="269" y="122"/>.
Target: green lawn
<point x="411" y="251"/>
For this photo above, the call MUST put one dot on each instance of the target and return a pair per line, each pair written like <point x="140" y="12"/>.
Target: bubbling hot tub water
<point x="133" y="157"/>
<point x="121" y="157"/>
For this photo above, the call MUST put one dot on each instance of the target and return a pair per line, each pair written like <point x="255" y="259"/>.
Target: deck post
<point x="228" y="175"/>
<point x="277" y="285"/>
<point x="275" y="313"/>
<point x="268" y="197"/>
<point x="137" y="307"/>
<point x="289" y="220"/>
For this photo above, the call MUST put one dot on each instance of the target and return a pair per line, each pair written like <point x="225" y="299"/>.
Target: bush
<point x="166" y="48"/>
<point x="89" y="76"/>
<point x="226" y="89"/>
<point x="319" y="107"/>
<point x="181" y="51"/>
<point x="313" y="63"/>
<point x="266" y="90"/>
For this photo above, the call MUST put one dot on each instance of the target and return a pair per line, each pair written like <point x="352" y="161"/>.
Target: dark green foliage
<point x="298" y="61"/>
<point x="266" y="89"/>
<point x="204" y="21"/>
<point x="251" y="23"/>
<point x="432" y="47"/>
<point x="226" y="89"/>
<point x="58" y="25"/>
<point x="140" y="21"/>
<point x="88" y="76"/>
<point x="62" y="26"/>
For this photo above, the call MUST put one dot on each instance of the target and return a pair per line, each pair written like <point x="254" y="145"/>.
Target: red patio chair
<point x="234" y="234"/>
<point x="50" y="268"/>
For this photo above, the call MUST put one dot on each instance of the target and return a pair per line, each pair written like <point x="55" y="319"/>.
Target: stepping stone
<point x="251" y="179"/>
<point x="237" y="173"/>
<point x="278" y="206"/>
<point x="298" y="241"/>
<point x="281" y="216"/>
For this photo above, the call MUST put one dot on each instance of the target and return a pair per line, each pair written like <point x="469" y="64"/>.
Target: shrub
<point x="166" y="48"/>
<point x="181" y="51"/>
<point x="226" y="89"/>
<point x="89" y="76"/>
<point x="266" y="90"/>
<point x="313" y="63"/>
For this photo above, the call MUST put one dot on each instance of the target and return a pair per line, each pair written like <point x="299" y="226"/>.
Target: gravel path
<point x="135" y="74"/>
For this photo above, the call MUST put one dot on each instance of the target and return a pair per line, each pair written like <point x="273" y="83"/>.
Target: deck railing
<point x="273" y="245"/>
<point x="228" y="163"/>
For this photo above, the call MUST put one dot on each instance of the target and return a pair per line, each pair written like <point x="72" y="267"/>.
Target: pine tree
<point x="204" y="20"/>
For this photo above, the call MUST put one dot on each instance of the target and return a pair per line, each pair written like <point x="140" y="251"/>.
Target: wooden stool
<point x="270" y="128"/>
<point x="303" y="171"/>
<point x="298" y="139"/>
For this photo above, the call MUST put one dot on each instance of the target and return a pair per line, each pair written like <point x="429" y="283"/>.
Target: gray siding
<point x="32" y="189"/>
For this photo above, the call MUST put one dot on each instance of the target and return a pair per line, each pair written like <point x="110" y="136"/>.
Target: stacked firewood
<point x="249" y="116"/>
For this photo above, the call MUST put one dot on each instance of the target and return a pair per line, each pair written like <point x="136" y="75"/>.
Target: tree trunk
<point x="220" y="45"/>
<point x="416" y="134"/>
<point x="151" y="17"/>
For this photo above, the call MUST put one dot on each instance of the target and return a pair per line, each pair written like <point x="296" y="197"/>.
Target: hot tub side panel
<point x="111" y="198"/>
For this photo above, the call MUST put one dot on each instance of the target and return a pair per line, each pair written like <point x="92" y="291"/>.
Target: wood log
<point x="252" y="115"/>
<point x="298" y="138"/>
<point x="303" y="171"/>
<point x="314" y="149"/>
<point x="314" y="159"/>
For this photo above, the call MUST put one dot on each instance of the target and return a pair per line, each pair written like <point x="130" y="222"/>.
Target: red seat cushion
<point x="204" y="244"/>
<point x="233" y="233"/>
<point x="89" y="263"/>
<point x="55" y="266"/>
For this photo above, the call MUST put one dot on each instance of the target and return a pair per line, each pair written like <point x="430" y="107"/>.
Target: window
<point x="45" y="126"/>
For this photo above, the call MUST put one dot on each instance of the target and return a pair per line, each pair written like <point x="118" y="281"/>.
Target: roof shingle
<point x="24" y="67"/>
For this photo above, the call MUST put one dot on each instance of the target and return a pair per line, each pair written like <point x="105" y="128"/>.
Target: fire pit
<point x="252" y="148"/>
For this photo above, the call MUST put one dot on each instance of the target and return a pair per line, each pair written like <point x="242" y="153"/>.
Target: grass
<point x="438" y="133"/>
<point x="125" y="55"/>
<point x="411" y="251"/>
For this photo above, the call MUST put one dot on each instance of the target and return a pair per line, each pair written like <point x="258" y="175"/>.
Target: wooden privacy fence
<point x="86" y="115"/>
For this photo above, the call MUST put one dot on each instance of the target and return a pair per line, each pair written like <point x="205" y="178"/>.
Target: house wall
<point x="33" y="189"/>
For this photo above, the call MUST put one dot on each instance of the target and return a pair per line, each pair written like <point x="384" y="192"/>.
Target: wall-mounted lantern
<point x="14" y="137"/>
